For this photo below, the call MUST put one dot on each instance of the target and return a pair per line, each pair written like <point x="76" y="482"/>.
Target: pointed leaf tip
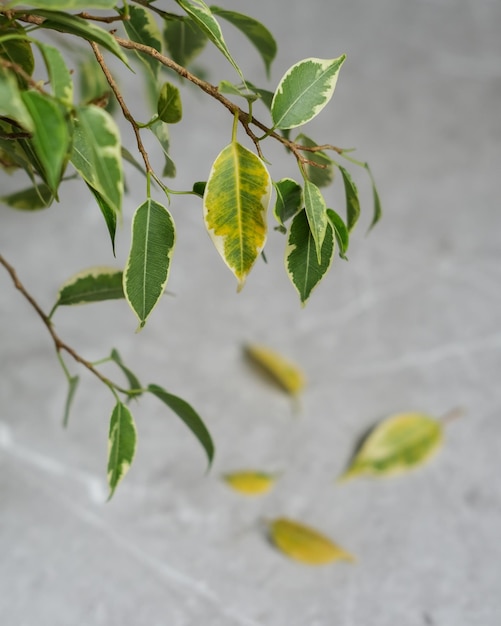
<point x="121" y="445"/>
<point x="284" y="372"/>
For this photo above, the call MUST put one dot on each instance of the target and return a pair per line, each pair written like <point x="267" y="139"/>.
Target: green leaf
<point x="121" y="445"/>
<point x="97" y="153"/>
<point x="110" y="217"/>
<point x="11" y="102"/>
<point x="265" y="95"/>
<point x="289" y="199"/>
<point x="398" y="444"/>
<point x="74" y="25"/>
<point x="148" y="265"/>
<point x="316" y="212"/>
<point x="169" y="107"/>
<point x="340" y="232"/>
<point x="236" y="90"/>
<point x="305" y="544"/>
<point x="17" y="50"/>
<point x="72" y="387"/>
<point x="301" y="261"/>
<point x="135" y="386"/>
<point x="352" y="201"/>
<point x="378" y="212"/>
<point x="319" y="176"/>
<point x="51" y="137"/>
<point x="236" y="201"/>
<point x="258" y="34"/>
<point x="59" y="74"/>
<point x="189" y="416"/>
<point x="161" y="132"/>
<point x="184" y="40"/>
<point x="95" y="284"/>
<point x="70" y="4"/>
<point x="142" y="28"/>
<point x="202" y="16"/>
<point x="30" y="199"/>
<point x="304" y="90"/>
<point x="199" y="188"/>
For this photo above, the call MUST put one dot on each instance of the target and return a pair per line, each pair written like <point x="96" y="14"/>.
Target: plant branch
<point x="58" y="342"/>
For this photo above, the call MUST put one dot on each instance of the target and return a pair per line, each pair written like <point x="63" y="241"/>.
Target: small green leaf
<point x="97" y="154"/>
<point x="305" y="544"/>
<point x="148" y="265"/>
<point x="30" y="199"/>
<point x="51" y="137"/>
<point x="304" y="90"/>
<point x="72" y="387"/>
<point x="250" y="482"/>
<point x="161" y="132"/>
<point x="316" y="212"/>
<point x="199" y="188"/>
<point x="236" y="201"/>
<point x="319" y="176"/>
<point x="340" y="232"/>
<point x="378" y="212"/>
<point x="282" y="371"/>
<point x="110" y="217"/>
<point x="184" y="40"/>
<point x="289" y="199"/>
<point x="11" y="102"/>
<point x="301" y="261"/>
<point x="142" y="28"/>
<point x="258" y="34"/>
<point x="95" y="284"/>
<point x="202" y="16"/>
<point x="352" y="201"/>
<point x="135" y="386"/>
<point x="59" y="74"/>
<point x="265" y="95"/>
<point x="121" y="445"/>
<point x="236" y="90"/>
<point x="398" y="444"/>
<point x="169" y="106"/>
<point x="189" y="416"/>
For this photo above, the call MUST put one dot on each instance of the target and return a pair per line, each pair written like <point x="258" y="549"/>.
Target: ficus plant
<point x="52" y="132"/>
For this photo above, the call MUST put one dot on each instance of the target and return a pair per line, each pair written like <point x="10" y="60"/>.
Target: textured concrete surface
<point x="411" y="322"/>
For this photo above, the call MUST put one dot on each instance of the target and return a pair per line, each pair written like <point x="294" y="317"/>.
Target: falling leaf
<point x="305" y="544"/>
<point x="397" y="444"/>
<point x="250" y="482"/>
<point x="284" y="372"/>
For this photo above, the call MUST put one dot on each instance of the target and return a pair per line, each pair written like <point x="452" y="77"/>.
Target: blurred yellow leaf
<point x="250" y="482"/>
<point x="283" y="372"/>
<point x="397" y="444"/>
<point x="305" y="544"/>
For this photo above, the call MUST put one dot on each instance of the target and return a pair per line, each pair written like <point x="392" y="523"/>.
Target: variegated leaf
<point x="121" y="445"/>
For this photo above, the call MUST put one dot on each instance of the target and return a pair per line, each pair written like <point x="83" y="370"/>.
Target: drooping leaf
<point x="110" y="217"/>
<point x="319" y="176"/>
<point x="258" y="34"/>
<point x="265" y="94"/>
<point x="316" y="212"/>
<point x="169" y="106"/>
<point x="135" y="387"/>
<point x="378" y="212"/>
<point x="11" y="102"/>
<point x="148" y="265"/>
<point x="399" y="443"/>
<point x="142" y="28"/>
<point x="51" y="136"/>
<point x="201" y="14"/>
<point x="184" y="40"/>
<point x="352" y="201"/>
<point x="59" y="74"/>
<point x="95" y="284"/>
<point x="74" y="25"/>
<point x="17" y="50"/>
<point x="97" y="154"/>
<point x="340" y="232"/>
<point x="189" y="416"/>
<point x="72" y="388"/>
<point x="161" y="132"/>
<point x="305" y="544"/>
<point x="301" y="260"/>
<point x="237" y="90"/>
<point x="30" y="199"/>
<point x="250" y="482"/>
<point x="236" y="201"/>
<point x="289" y="199"/>
<point x="283" y="371"/>
<point x="70" y="4"/>
<point x="304" y="90"/>
<point x="121" y="445"/>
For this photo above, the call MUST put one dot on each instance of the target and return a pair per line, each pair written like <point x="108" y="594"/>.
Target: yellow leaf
<point x="250" y="482"/>
<point x="284" y="372"/>
<point x="397" y="444"/>
<point x="305" y="544"/>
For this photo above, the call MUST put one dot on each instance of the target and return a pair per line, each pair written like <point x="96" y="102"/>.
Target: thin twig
<point x="103" y="18"/>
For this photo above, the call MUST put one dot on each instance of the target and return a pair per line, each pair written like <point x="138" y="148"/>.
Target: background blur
<point x="412" y="322"/>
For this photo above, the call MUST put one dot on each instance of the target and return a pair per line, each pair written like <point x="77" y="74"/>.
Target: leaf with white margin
<point x="304" y="90"/>
<point x="59" y="74"/>
<point x="121" y="445"/>
<point x="316" y="212"/>
<point x="95" y="284"/>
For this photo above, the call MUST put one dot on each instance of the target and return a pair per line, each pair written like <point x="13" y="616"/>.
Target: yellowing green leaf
<point x="285" y="373"/>
<point x="305" y="544"/>
<point x="399" y="443"/>
<point x="250" y="482"/>
<point x="236" y="201"/>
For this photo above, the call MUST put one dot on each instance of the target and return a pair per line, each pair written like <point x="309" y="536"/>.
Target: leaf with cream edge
<point x="398" y="444"/>
<point x="316" y="212"/>
<point x="305" y="544"/>
<point x="95" y="284"/>
<point x="148" y="265"/>
<point x="236" y="202"/>
<point x="59" y="74"/>
<point x="283" y="371"/>
<point x="250" y="482"/>
<point x="121" y="445"/>
<point x="304" y="90"/>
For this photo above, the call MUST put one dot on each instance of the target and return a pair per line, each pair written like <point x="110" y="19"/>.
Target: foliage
<point x="52" y="132"/>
